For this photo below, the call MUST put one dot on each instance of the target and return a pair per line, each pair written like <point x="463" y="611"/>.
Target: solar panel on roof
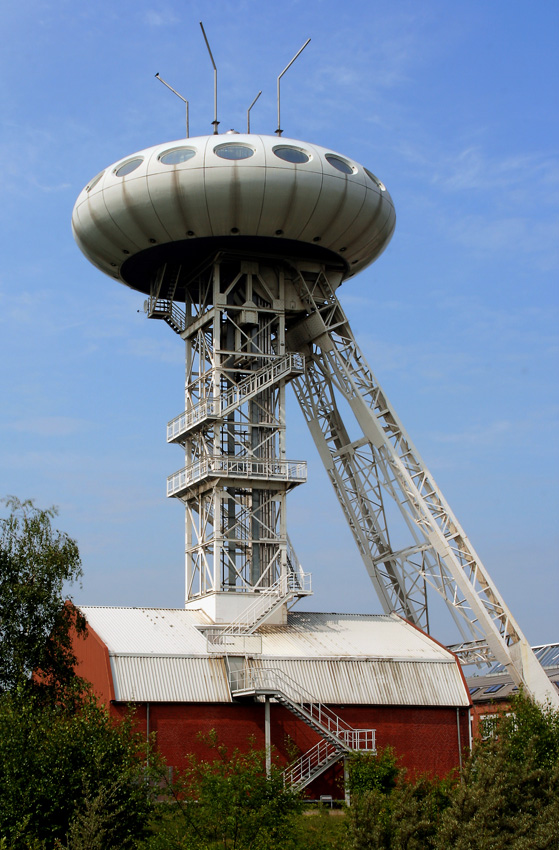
<point x="493" y="689"/>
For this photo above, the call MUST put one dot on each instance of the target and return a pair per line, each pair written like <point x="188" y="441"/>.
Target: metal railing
<point x="298" y="774"/>
<point x="167" y="309"/>
<point x="324" y="753"/>
<point x="268" y="598"/>
<point x="338" y="736"/>
<point x="291" y="364"/>
<point x="207" y="409"/>
<point x="275" y="681"/>
<point x="227" y="466"/>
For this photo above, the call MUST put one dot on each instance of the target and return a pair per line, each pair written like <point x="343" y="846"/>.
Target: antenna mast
<point x="184" y="100"/>
<point x="215" y="122"/>
<point x="248" y="110"/>
<point x="279" y="131"/>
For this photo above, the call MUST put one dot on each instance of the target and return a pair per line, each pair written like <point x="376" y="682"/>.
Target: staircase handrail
<point x="275" y="680"/>
<point x="310" y="764"/>
<point x="301" y="770"/>
<point x="236" y="394"/>
<point x="166" y="307"/>
<point x="282" y="590"/>
<point x="253" y="612"/>
<point x="257" y="381"/>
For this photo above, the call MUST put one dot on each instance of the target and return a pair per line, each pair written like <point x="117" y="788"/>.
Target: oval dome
<point x="193" y="197"/>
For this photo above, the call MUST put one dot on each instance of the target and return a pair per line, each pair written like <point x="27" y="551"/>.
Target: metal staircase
<point x="210" y="408"/>
<point x="338" y="737"/>
<point x="166" y="309"/>
<point x="293" y="585"/>
<point x="311" y="765"/>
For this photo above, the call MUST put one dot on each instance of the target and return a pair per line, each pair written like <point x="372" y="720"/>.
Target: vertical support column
<point x="347" y="795"/>
<point x="268" y="737"/>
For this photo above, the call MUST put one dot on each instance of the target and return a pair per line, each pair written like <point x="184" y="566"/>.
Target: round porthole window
<point x="339" y="163"/>
<point x="233" y="151"/>
<point x="289" y="154"/>
<point x="176" y="155"/>
<point x="128" y="167"/>
<point x="94" y="182"/>
<point x="375" y="180"/>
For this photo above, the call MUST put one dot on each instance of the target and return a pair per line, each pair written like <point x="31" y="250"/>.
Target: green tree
<point x="509" y="796"/>
<point x="402" y="817"/>
<point x="36" y="626"/>
<point x="368" y="771"/>
<point x="68" y="777"/>
<point x="228" y="803"/>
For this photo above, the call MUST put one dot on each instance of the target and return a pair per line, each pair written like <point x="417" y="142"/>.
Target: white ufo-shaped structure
<point x="190" y="198"/>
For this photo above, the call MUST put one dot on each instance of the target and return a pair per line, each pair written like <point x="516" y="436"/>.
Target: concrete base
<point x="224" y="608"/>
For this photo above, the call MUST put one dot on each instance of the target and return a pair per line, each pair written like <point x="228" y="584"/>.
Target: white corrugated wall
<point x="141" y="678"/>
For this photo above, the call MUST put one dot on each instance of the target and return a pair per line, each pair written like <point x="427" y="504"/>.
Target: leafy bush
<point x="507" y="797"/>
<point x="57" y="769"/>
<point x="228" y="802"/>
<point x="378" y="771"/>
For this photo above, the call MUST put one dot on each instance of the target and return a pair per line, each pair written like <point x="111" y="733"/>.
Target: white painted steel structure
<point x="240" y="242"/>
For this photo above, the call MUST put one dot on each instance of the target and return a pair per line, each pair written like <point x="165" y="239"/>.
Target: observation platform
<point x="239" y="472"/>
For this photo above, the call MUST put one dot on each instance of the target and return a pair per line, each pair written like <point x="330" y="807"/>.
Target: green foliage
<point x="406" y="818"/>
<point x="78" y="777"/>
<point x="507" y="796"/>
<point x="35" y="625"/>
<point x="373" y="771"/>
<point x="228" y="803"/>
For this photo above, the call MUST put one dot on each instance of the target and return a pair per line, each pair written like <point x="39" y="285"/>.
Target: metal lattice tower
<point x="236" y="475"/>
<point x="241" y="243"/>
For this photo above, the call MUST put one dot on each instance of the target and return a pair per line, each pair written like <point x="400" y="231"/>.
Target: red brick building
<point x="369" y="680"/>
<point x="492" y="692"/>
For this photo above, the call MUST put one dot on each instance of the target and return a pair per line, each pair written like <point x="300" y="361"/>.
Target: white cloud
<point x="160" y="18"/>
<point x="512" y="235"/>
<point x="50" y="426"/>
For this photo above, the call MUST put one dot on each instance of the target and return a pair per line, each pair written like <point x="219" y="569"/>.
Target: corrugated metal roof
<point x="160" y="655"/>
<point x="312" y="635"/>
<point x="169" y="679"/>
<point x="349" y="682"/>
<point x="148" y="631"/>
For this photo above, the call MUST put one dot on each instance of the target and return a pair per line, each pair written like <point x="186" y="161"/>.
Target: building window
<point x="94" y="182"/>
<point x="128" y="167"/>
<point x="233" y="151"/>
<point x="289" y="154"/>
<point x="375" y="180"/>
<point x="340" y="164"/>
<point x="176" y="155"/>
<point x="493" y="689"/>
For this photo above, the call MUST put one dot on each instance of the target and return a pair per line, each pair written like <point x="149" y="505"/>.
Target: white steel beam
<point x="382" y="469"/>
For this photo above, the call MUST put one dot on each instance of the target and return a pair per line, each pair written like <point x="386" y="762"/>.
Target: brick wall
<point x="424" y="738"/>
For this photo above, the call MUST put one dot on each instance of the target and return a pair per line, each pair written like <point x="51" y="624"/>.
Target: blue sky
<point x="454" y="106"/>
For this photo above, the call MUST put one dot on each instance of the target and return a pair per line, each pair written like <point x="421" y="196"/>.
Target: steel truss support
<point x="236" y="476"/>
<point x="406" y="533"/>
